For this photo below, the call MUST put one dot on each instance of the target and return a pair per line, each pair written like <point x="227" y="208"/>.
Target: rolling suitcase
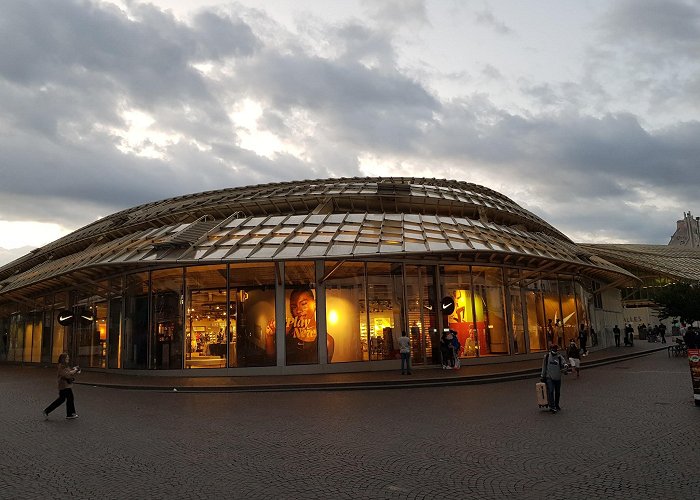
<point x="541" y="390"/>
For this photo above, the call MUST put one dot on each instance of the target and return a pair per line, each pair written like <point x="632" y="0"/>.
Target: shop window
<point x="90" y="327"/>
<point x="252" y="315"/>
<point x="135" y="330"/>
<point x="206" y="342"/>
<point x="346" y="314"/>
<point x="517" y="321"/>
<point x="168" y="304"/>
<point x="4" y="332"/>
<point x="385" y="299"/>
<point x="114" y="330"/>
<point x="36" y="318"/>
<point x="569" y="318"/>
<point x="422" y="315"/>
<point x="552" y="312"/>
<point x="46" y="330"/>
<point x="301" y="332"/>
<point x="58" y="342"/>
<point x="467" y="318"/>
<point x="536" y="317"/>
<point x="491" y="325"/>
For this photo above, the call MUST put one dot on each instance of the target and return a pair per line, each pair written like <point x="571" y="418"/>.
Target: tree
<point x="681" y="300"/>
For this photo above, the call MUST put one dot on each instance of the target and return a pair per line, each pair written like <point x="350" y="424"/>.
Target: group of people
<point x="449" y="350"/>
<point x="654" y="333"/>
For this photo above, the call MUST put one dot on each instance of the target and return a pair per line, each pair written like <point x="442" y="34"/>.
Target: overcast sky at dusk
<point x="585" y="112"/>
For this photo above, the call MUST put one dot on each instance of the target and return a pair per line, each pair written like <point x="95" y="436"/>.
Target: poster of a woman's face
<point x="301" y="331"/>
<point x="301" y="322"/>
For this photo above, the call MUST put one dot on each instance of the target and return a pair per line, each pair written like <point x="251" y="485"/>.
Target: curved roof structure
<point x="673" y="262"/>
<point x="334" y="219"/>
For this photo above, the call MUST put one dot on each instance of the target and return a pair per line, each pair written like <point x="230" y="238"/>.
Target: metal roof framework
<point x="421" y="220"/>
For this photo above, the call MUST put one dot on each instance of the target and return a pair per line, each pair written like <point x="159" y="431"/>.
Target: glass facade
<point x="346" y="314"/>
<point x="232" y="315"/>
<point x="252" y="315"/>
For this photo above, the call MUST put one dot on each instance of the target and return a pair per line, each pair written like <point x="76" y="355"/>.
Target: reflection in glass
<point x="568" y="307"/>
<point x="536" y="324"/>
<point x="167" y="300"/>
<point x="135" y="354"/>
<point x="467" y="318"/>
<point x="422" y="316"/>
<point x="58" y="344"/>
<point x="384" y="295"/>
<point x="516" y="312"/>
<point x="491" y="326"/>
<point x="205" y="332"/>
<point x="252" y="315"/>
<point x="553" y="331"/>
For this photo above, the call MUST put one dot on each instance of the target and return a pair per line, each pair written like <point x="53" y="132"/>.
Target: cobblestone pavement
<point x="628" y="430"/>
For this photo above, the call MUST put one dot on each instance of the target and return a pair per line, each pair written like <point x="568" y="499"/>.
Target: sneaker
<point x="46" y="415"/>
<point x="74" y="415"/>
<point x="558" y="408"/>
<point x="553" y="410"/>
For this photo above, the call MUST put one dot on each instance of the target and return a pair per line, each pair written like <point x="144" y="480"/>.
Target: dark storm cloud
<point x="366" y="107"/>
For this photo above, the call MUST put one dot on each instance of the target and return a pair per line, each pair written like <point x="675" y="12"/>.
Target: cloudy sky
<point x="585" y="112"/>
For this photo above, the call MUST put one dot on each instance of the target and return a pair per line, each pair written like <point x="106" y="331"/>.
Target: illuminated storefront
<point x="301" y="277"/>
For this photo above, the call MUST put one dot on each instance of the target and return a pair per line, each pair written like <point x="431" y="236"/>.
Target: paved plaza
<point x="627" y="430"/>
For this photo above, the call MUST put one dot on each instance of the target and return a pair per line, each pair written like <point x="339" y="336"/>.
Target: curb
<point x="367" y="385"/>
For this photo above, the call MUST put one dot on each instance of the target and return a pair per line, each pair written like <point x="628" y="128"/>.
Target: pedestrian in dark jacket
<point x="583" y="339"/>
<point x="553" y="366"/>
<point x="66" y="376"/>
<point x="447" y="350"/>
<point x="616" y="334"/>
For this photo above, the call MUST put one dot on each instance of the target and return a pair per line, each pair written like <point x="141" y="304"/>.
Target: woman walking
<point x="66" y="376"/>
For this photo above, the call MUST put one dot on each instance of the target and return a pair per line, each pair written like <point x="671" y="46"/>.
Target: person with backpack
<point x="553" y="366"/>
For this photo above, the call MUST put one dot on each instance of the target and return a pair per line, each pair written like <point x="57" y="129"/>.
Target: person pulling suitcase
<point x="553" y="366"/>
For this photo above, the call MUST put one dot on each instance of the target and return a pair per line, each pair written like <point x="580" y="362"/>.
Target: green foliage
<point x="679" y="300"/>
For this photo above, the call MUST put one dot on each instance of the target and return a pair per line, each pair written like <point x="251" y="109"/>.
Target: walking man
<point x="616" y="334"/>
<point x="583" y="339"/>
<point x="405" y="350"/>
<point x="552" y="368"/>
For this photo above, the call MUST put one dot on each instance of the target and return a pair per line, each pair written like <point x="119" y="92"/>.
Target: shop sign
<point x="447" y="305"/>
<point x="65" y="317"/>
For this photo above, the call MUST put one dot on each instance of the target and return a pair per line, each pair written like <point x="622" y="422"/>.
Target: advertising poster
<point x="301" y="334"/>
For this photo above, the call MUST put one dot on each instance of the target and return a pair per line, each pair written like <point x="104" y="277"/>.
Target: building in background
<point x="687" y="232"/>
<point x="307" y="277"/>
